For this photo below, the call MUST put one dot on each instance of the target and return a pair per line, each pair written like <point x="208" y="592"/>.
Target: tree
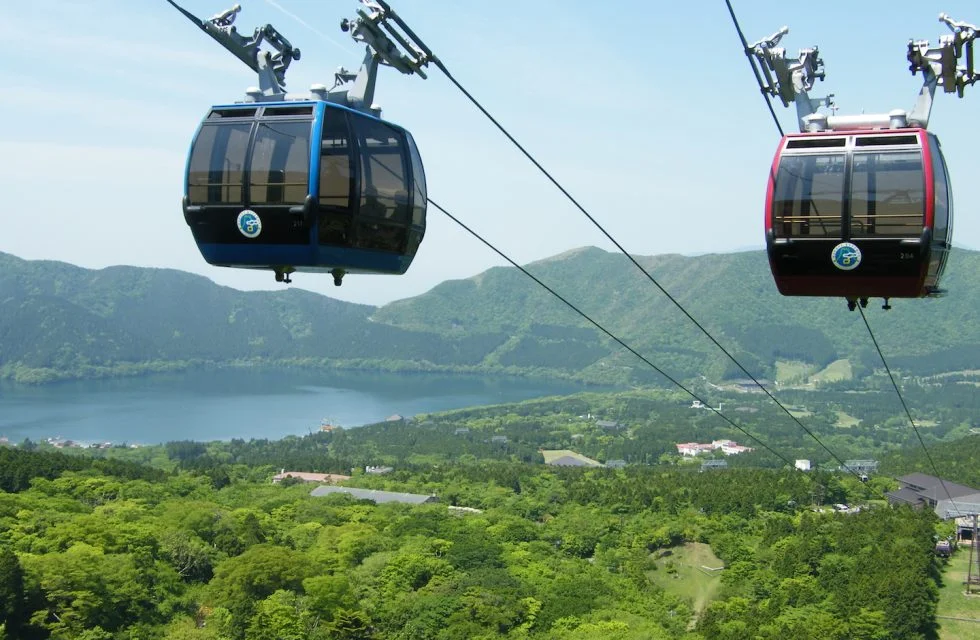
<point x="98" y="633"/>
<point x="328" y="593"/>
<point x="351" y="625"/>
<point x="867" y="625"/>
<point x="13" y="604"/>
<point x="189" y="555"/>
<point x="805" y="623"/>
<point x="281" y="616"/>
<point x="84" y="588"/>
<point x="256" y="574"/>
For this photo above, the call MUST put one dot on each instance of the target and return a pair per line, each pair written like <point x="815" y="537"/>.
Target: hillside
<point x="731" y="294"/>
<point x="57" y="321"/>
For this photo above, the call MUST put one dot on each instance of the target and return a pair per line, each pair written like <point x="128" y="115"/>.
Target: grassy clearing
<point x="688" y="580"/>
<point x="794" y="372"/>
<point x="550" y="455"/>
<point x="835" y="371"/>
<point x="845" y="421"/>
<point x="953" y="603"/>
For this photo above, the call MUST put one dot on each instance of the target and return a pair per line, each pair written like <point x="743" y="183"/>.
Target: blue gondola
<point x="304" y="186"/>
<point x="319" y="183"/>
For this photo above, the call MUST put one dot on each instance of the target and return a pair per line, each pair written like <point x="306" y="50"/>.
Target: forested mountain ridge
<point x="733" y="295"/>
<point x="58" y="321"/>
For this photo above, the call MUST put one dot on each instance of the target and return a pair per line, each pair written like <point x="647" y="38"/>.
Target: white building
<point x="728" y="447"/>
<point x="693" y="448"/>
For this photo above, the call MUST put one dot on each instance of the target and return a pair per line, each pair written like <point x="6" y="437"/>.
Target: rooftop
<point x="309" y="477"/>
<point x="965" y="505"/>
<point x="374" y="495"/>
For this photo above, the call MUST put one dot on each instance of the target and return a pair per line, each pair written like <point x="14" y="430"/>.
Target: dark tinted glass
<point x="887" y="195"/>
<point x="336" y="170"/>
<point x="279" y="112"/>
<point x="942" y="217"/>
<point x="215" y="173"/>
<point x="884" y="141"/>
<point x="369" y="234"/>
<point x="279" y="173"/>
<point x="419" y="201"/>
<point x="384" y="182"/>
<point x="815" y="143"/>
<point x="807" y="195"/>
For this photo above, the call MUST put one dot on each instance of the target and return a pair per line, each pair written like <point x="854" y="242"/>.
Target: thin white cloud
<point x="290" y="14"/>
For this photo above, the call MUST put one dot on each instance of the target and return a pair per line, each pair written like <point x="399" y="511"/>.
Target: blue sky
<point x="647" y="112"/>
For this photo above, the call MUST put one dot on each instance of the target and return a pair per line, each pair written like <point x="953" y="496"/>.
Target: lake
<point x="223" y="404"/>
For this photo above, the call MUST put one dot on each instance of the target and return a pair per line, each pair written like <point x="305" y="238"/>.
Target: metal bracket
<point x="367" y="28"/>
<point x="398" y="48"/>
<point x="389" y="41"/>
<point x="270" y="67"/>
<point x="940" y="65"/>
<point x="789" y="80"/>
<point x="792" y="80"/>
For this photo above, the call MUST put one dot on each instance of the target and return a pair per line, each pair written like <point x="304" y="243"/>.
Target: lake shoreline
<point x="225" y="403"/>
<point x="38" y="376"/>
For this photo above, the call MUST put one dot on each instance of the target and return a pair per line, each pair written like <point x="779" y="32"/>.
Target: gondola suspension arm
<point x="402" y="51"/>
<point x="940" y="66"/>
<point x="270" y="67"/>
<point x="394" y="46"/>
<point x="791" y="80"/>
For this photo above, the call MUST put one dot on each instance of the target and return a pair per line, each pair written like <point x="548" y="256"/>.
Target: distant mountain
<point x="732" y="295"/>
<point x="61" y="321"/>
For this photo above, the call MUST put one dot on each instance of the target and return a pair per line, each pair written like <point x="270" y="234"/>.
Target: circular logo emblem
<point x="249" y="223"/>
<point x="846" y="256"/>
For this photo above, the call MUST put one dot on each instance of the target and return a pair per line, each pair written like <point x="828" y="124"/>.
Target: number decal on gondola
<point x="249" y="223"/>
<point x="846" y="256"/>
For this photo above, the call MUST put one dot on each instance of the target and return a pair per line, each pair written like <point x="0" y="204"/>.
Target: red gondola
<point x="859" y="214"/>
<point x="860" y="206"/>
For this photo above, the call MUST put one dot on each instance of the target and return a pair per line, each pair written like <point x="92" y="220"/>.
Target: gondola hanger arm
<point x="393" y="45"/>
<point x="790" y="80"/>
<point x="940" y="65"/>
<point x="389" y="41"/>
<point x="270" y="67"/>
